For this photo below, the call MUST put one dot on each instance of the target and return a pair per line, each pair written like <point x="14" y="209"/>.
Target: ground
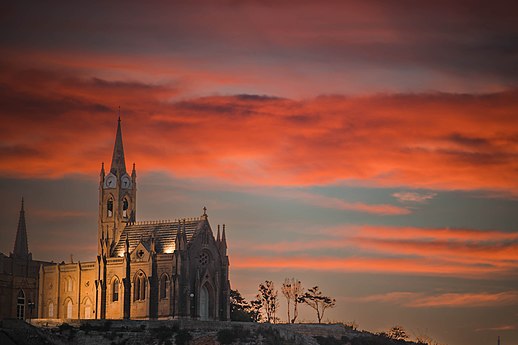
<point x="178" y="332"/>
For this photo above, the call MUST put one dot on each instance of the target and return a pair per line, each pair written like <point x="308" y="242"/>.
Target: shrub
<point x="329" y="340"/>
<point x="228" y="336"/>
<point x="183" y="337"/>
<point x="64" y="327"/>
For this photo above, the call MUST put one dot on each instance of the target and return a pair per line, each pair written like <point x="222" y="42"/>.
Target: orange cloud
<point x="444" y="300"/>
<point x="397" y="250"/>
<point x="387" y="265"/>
<point x="52" y="121"/>
<point x="453" y="300"/>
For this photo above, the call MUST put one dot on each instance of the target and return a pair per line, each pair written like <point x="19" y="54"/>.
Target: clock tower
<point x="117" y="198"/>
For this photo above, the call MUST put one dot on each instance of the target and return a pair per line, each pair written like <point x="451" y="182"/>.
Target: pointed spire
<point x="102" y="170"/>
<point x="21" y="246"/>
<point x="118" y="162"/>
<point x="224" y="238"/>
<point x="218" y="237"/>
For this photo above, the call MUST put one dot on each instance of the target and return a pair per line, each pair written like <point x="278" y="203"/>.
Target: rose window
<point x="204" y="259"/>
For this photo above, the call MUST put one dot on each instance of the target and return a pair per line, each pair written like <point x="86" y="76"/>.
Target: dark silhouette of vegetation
<point x="273" y="337"/>
<point x="292" y="289"/>
<point x="268" y="297"/>
<point x="314" y="298"/>
<point x="397" y="333"/>
<point x="183" y="337"/>
<point x="331" y="340"/>
<point x="240" y="309"/>
<point x="255" y="309"/>
<point x="164" y="334"/>
<point x="229" y="336"/>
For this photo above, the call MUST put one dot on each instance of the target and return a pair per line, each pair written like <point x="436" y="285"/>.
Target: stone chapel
<point x="143" y="270"/>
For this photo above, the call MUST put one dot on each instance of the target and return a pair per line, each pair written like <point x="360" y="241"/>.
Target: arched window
<point x="69" y="309"/>
<point x="125" y="206"/>
<point x="204" y="259"/>
<point x="115" y="290"/>
<point x="139" y="284"/>
<point x="69" y="285"/>
<point x="109" y="207"/>
<point x="51" y="310"/>
<point x="164" y="285"/>
<point x="88" y="309"/>
<point x="20" y="305"/>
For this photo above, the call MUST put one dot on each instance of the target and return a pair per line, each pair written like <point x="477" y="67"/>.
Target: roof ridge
<point x="165" y="221"/>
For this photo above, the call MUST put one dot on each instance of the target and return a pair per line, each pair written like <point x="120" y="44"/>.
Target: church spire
<point x="118" y="167"/>
<point x="21" y="247"/>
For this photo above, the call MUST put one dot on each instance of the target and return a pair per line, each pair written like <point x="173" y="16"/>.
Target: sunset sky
<point x="368" y="147"/>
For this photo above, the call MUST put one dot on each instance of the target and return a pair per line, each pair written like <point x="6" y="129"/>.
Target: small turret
<point x="127" y="245"/>
<point x="224" y="240"/>
<point x="153" y="248"/>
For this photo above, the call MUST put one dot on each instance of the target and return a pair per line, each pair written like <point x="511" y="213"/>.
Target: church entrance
<point x="204" y="303"/>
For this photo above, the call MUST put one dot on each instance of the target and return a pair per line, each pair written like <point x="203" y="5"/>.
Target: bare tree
<point x="314" y="298"/>
<point x="292" y="289"/>
<point x="268" y="297"/>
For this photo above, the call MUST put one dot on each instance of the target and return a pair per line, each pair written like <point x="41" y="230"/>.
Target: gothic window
<point x="203" y="259"/>
<point x="109" y="207"/>
<point x="139" y="287"/>
<point x="88" y="309"/>
<point x="164" y="283"/>
<point x="115" y="290"/>
<point x="69" y="309"/>
<point x="20" y="305"/>
<point x="68" y="284"/>
<point x="51" y="310"/>
<point x="125" y="206"/>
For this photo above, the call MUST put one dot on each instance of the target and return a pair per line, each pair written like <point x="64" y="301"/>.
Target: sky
<point x="367" y="147"/>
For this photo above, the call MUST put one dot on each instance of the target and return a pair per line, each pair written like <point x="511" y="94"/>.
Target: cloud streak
<point x="445" y="300"/>
<point x="461" y="252"/>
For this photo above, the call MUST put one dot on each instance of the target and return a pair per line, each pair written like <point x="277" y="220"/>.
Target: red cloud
<point x="51" y="122"/>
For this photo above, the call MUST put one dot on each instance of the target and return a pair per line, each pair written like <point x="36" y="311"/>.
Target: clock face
<point x="110" y="182"/>
<point x="126" y="181"/>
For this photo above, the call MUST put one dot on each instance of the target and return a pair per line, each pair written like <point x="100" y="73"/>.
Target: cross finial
<point x="119" y="113"/>
<point x="204" y="211"/>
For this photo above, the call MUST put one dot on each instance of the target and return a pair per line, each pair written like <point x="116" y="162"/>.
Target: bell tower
<point x="117" y="198"/>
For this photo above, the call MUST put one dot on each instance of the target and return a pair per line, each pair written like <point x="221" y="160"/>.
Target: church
<point x="143" y="270"/>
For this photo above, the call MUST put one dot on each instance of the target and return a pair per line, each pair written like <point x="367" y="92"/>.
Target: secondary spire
<point x="21" y="246"/>
<point x="118" y="162"/>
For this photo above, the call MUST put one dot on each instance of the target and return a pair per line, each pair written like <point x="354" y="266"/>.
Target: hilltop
<point x="182" y="332"/>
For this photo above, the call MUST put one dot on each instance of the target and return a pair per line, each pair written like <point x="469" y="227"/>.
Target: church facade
<point x="143" y="270"/>
<point x="19" y="277"/>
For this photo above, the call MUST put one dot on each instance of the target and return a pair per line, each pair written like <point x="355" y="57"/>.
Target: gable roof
<point x="165" y="233"/>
